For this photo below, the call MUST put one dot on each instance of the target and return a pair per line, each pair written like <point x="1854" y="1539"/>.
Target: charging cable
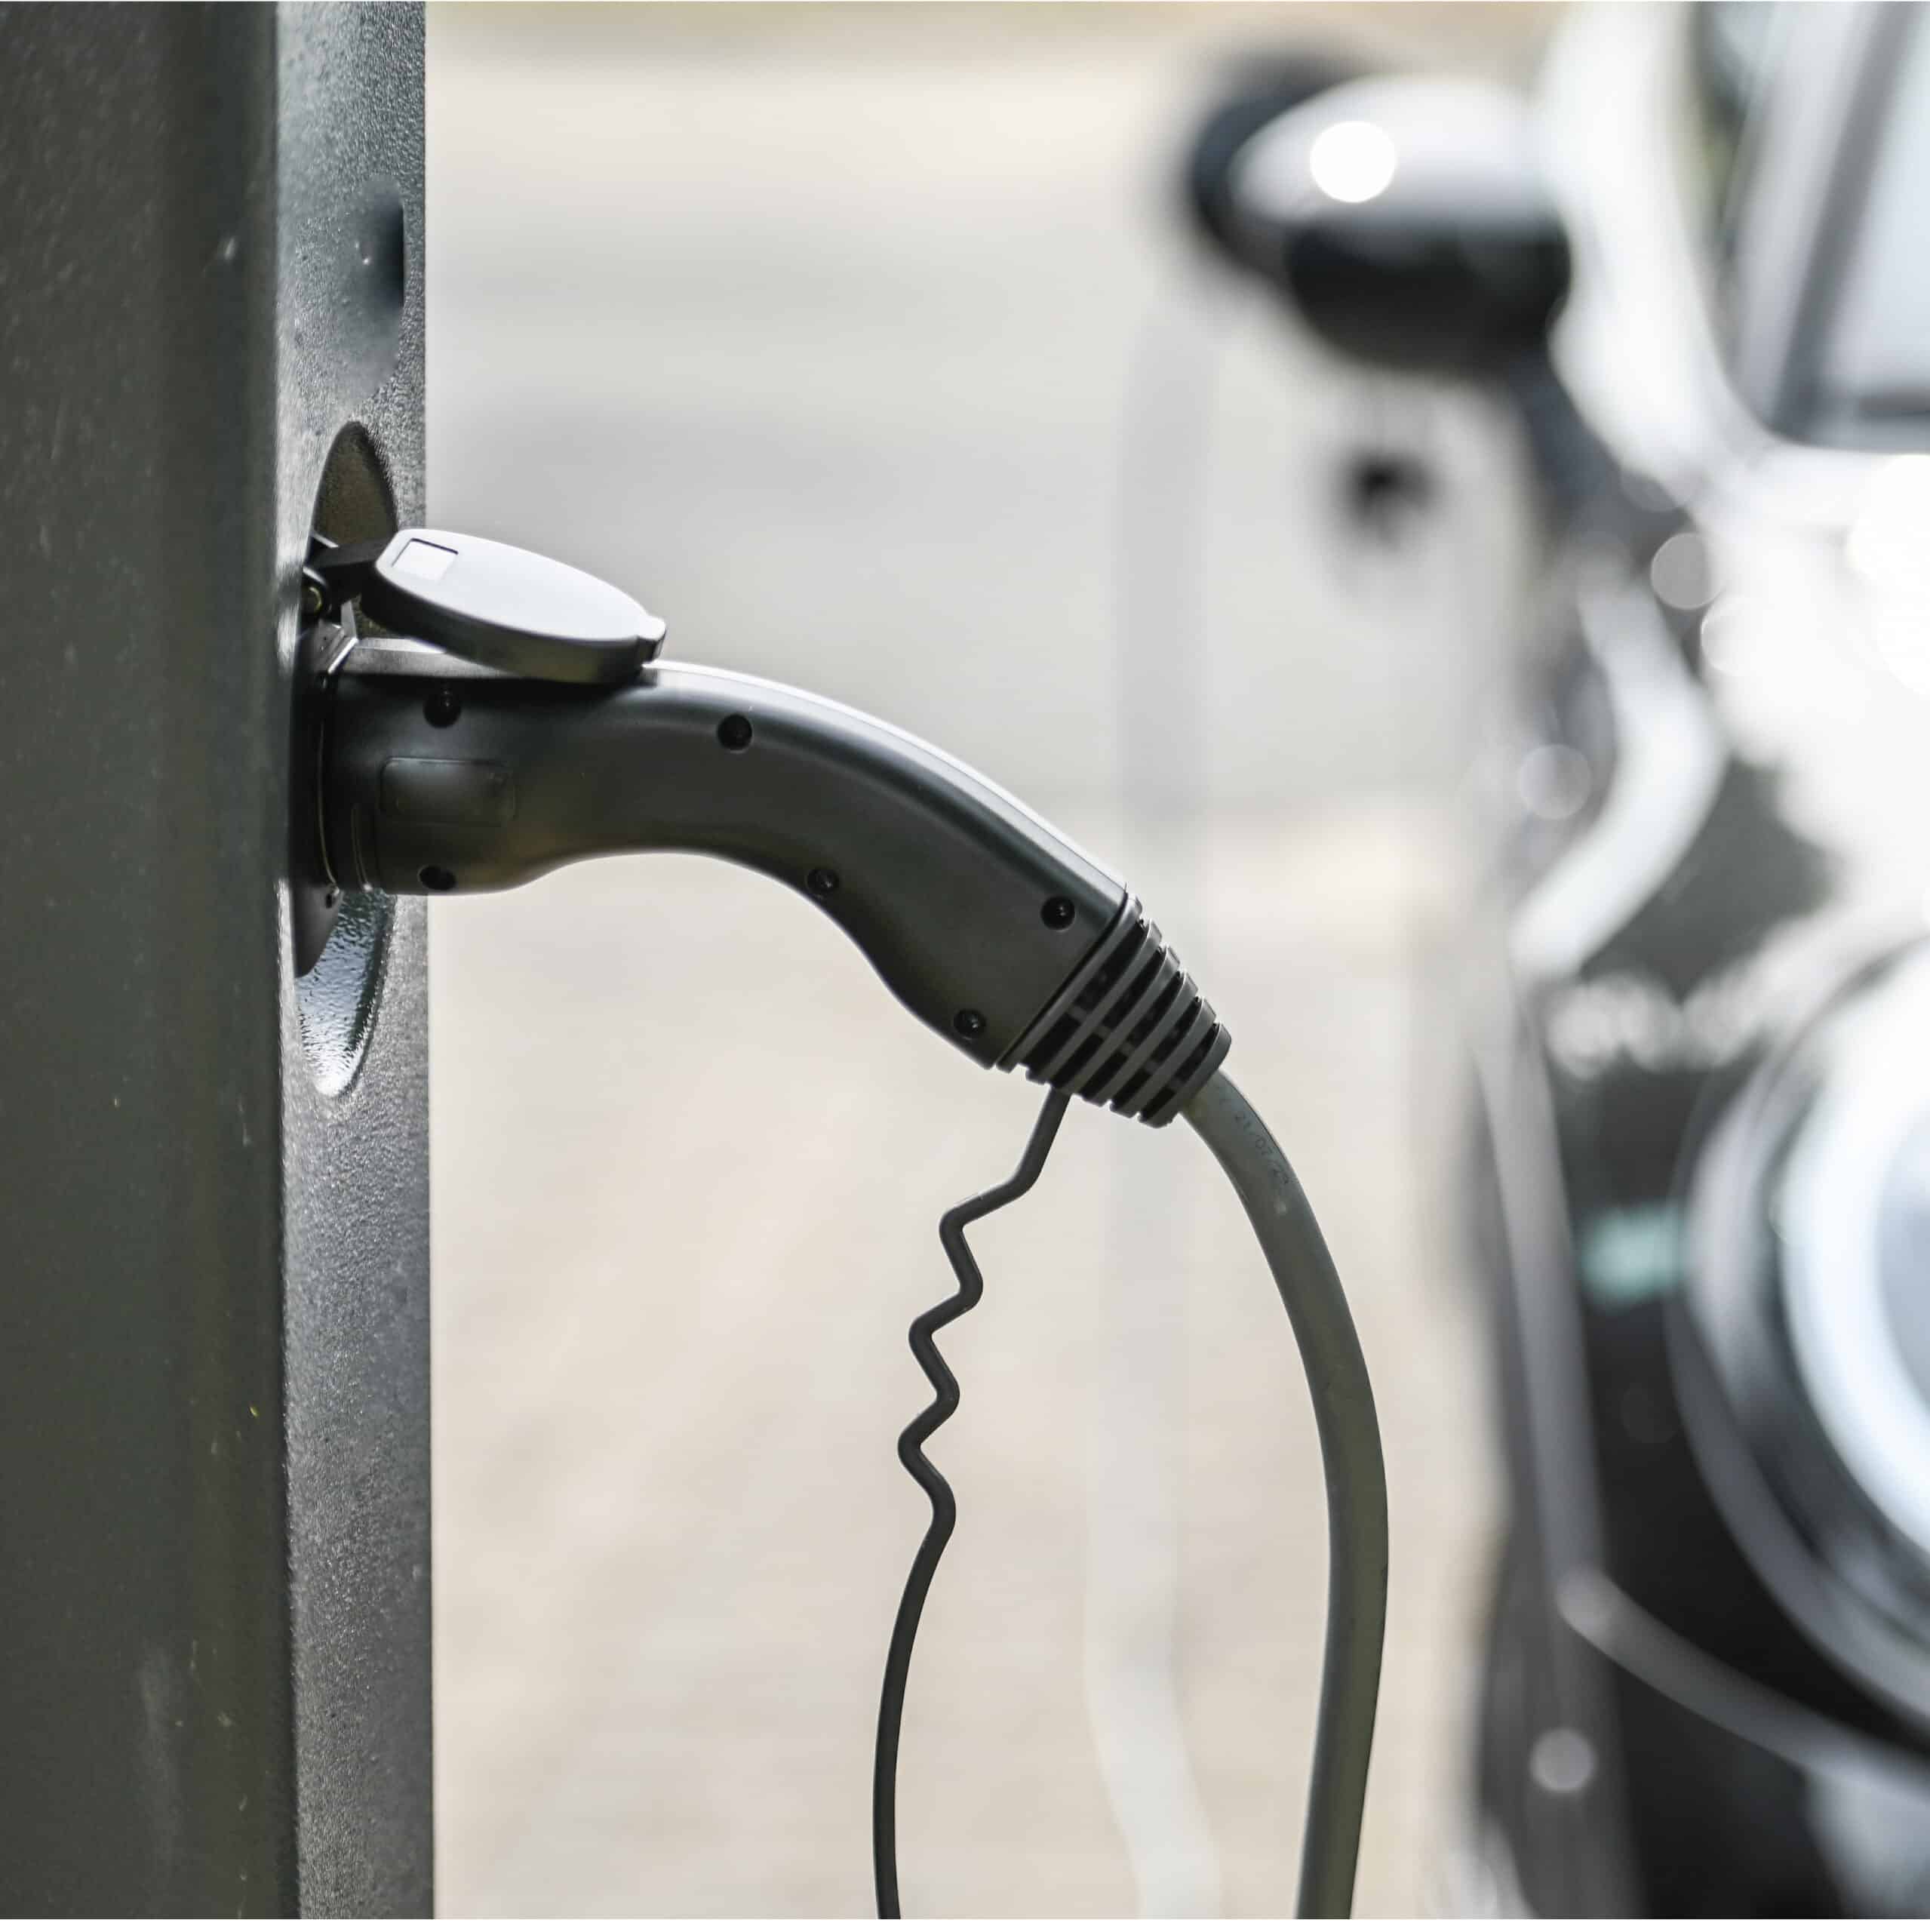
<point x="944" y="1507"/>
<point x="1350" y="1433"/>
<point x="509" y="718"/>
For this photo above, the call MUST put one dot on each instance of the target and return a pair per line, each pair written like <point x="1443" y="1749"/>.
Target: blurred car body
<point x="1698" y="996"/>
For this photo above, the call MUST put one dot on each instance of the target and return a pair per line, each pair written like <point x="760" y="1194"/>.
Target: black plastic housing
<point x="991" y="926"/>
<point x="973" y="912"/>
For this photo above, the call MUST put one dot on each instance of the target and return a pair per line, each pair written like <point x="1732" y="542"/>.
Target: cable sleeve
<point x="1356" y="1486"/>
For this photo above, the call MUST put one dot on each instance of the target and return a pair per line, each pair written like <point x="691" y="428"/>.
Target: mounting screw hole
<point x="967" y="1024"/>
<point x="822" y="880"/>
<point x="1058" y="913"/>
<point x="438" y="878"/>
<point x="443" y="708"/>
<point x="734" y="734"/>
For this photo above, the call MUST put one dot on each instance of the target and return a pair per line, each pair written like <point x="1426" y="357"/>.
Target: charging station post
<point x="214" y="1678"/>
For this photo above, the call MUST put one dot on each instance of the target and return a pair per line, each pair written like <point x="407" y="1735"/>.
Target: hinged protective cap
<point x="494" y="604"/>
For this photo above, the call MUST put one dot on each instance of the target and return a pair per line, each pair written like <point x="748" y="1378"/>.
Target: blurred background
<point x="870" y="345"/>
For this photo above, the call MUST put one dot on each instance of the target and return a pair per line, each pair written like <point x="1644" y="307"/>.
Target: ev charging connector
<point x="510" y="716"/>
<point x="542" y="731"/>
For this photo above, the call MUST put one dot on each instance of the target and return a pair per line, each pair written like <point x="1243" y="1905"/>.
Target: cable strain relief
<point x="1129" y="1030"/>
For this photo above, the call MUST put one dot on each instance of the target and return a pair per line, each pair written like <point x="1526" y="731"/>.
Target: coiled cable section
<point x="945" y="1509"/>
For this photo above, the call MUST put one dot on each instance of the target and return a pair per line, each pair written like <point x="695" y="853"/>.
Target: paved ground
<point x="820" y="331"/>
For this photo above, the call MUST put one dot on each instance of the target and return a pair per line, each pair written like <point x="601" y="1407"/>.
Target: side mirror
<point x="1408" y="222"/>
<point x="1255" y="96"/>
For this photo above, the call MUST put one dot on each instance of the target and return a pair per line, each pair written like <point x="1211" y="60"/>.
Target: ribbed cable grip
<point x="1129" y="1030"/>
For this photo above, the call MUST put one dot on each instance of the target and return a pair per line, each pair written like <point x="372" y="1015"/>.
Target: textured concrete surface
<point x="820" y="333"/>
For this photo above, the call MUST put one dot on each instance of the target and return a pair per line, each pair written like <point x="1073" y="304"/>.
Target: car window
<point x="1867" y="363"/>
<point x="1733" y="46"/>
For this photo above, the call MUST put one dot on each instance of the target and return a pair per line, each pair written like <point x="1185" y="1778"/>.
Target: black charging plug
<point x="521" y="726"/>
